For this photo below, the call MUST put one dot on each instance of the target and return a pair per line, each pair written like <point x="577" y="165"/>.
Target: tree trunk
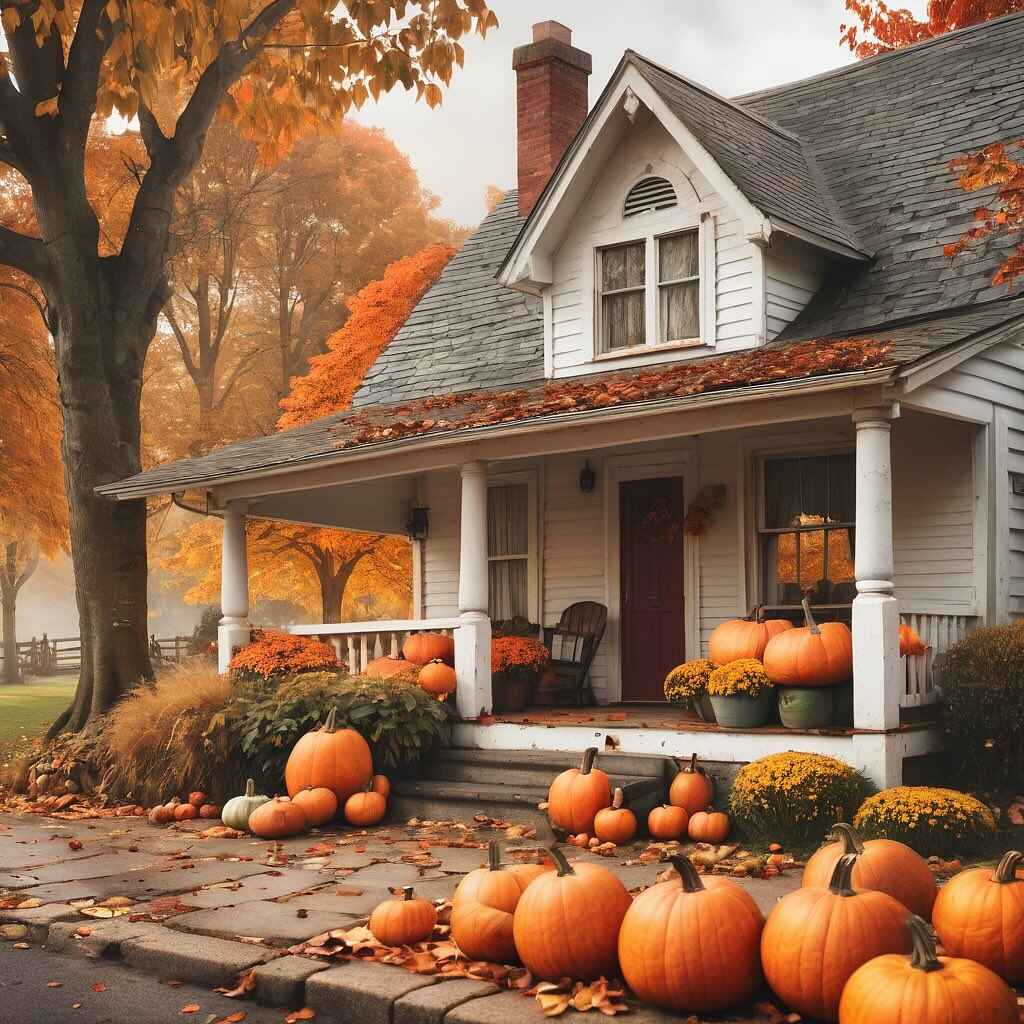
<point x="8" y="598"/>
<point x="333" y="582"/>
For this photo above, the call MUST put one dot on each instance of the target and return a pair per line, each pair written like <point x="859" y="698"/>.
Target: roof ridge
<point x="856" y="66"/>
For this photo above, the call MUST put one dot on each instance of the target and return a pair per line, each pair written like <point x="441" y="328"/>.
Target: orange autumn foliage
<point x="275" y="654"/>
<point x="517" y="652"/>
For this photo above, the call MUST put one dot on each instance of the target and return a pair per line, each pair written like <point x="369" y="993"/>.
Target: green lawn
<point x="27" y="709"/>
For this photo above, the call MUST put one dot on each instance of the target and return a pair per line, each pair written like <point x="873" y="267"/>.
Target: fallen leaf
<point x="232" y="1018"/>
<point x="76" y="1006"/>
<point x="98" y="986"/>
<point x="174" y="984"/>
<point x="54" y="984"/>
<point x="105" y="912"/>
<point x="22" y="945"/>
<point x="190" y="1008"/>
<point x="13" y="931"/>
<point x="244" y="984"/>
<point x="30" y="904"/>
<point x="304" y="1014"/>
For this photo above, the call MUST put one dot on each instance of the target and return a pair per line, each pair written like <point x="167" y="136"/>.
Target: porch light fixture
<point x="587" y="478"/>
<point x="418" y="525"/>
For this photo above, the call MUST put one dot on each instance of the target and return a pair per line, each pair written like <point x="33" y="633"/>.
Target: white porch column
<point x="473" y="637"/>
<point x="233" y="630"/>
<point x="876" y="697"/>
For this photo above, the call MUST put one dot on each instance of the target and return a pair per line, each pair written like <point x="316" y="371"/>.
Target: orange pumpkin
<point x="319" y="805"/>
<point x="422" y="648"/>
<point x="709" y="827"/>
<point x="278" y="818"/>
<point x="665" y="956"/>
<point x="744" y="638"/>
<point x="185" y="812"/>
<point x="365" y="808"/>
<point x="438" y="678"/>
<point x="812" y="656"/>
<point x="979" y="914"/>
<point x="404" y="920"/>
<point x="615" y="824"/>
<point x="577" y="794"/>
<point x="815" y="938"/>
<point x="667" y="822"/>
<point x="160" y="815"/>
<point x="209" y="811"/>
<point x="381" y="784"/>
<point x="883" y="864"/>
<point x="910" y="642"/>
<point x="389" y="668"/>
<point x="197" y="799"/>
<point x="926" y="989"/>
<point x="566" y="924"/>
<point x="691" y="789"/>
<point x="337" y="759"/>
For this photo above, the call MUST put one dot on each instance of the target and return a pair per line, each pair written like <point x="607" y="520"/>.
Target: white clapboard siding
<point x="792" y="276"/>
<point x="441" y="494"/>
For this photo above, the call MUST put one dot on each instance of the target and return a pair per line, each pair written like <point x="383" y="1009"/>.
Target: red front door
<point x="651" y="582"/>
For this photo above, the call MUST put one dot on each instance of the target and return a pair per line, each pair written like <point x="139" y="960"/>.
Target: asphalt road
<point x="128" y="998"/>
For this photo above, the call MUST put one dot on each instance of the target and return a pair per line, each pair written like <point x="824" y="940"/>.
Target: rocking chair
<point x="573" y="644"/>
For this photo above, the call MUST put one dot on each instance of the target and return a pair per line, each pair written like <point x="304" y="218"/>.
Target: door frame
<point x="681" y="462"/>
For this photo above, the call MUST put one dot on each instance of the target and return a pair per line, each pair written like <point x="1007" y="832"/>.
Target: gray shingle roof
<point x="468" y="331"/>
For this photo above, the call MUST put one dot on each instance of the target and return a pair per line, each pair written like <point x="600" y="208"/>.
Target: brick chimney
<point x="551" y="99"/>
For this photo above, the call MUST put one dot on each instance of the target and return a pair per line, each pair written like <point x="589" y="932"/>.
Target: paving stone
<point x="348" y="859"/>
<point x="361" y="992"/>
<point x="340" y="899"/>
<point x="70" y="871"/>
<point x="282" y="982"/>
<point x="393" y="875"/>
<point x="96" y="939"/>
<point x="198" y="958"/>
<point x="430" y="1005"/>
<point x="278" y="923"/>
<point x="504" y="1008"/>
<point x="39" y="919"/>
<point x="24" y="853"/>
<point x="266" y="886"/>
<point x="458" y="858"/>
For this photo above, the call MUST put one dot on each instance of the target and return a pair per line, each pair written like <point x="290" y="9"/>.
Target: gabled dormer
<point x="674" y="224"/>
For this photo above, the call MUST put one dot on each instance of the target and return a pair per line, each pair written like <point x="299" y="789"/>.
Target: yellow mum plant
<point x="688" y="681"/>
<point x="930" y="819"/>
<point x="746" y="676"/>
<point x="794" y="798"/>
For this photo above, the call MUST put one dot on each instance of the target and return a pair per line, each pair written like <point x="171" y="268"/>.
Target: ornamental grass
<point x="930" y="819"/>
<point x="273" y="654"/>
<point x="686" y="682"/>
<point x="794" y="798"/>
<point x="746" y="676"/>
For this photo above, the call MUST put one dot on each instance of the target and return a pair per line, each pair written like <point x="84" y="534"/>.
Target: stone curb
<point x="195" y="958"/>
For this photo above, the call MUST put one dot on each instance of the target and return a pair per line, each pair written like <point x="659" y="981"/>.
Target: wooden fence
<point x="46" y="656"/>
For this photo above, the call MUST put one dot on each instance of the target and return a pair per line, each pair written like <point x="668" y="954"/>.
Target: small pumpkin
<point x="709" y="827"/>
<point x="422" y="648"/>
<point x="816" y="937"/>
<point x="197" y="798"/>
<point x="883" y="864"/>
<point x="665" y="956"/>
<point x="404" y="920"/>
<point x="185" y="812"/>
<point x="338" y="759"/>
<point x="811" y="656"/>
<point x="926" y="989"/>
<point x="388" y="668"/>
<point x="160" y="815"/>
<point x="237" y="810"/>
<point x="381" y="784"/>
<point x="667" y="822"/>
<point x="584" y="901"/>
<point x="577" y="794"/>
<point x="691" y="789"/>
<point x="744" y="638"/>
<point x="277" y="819"/>
<point x="615" y="824"/>
<point x="209" y="811"/>
<point x="979" y="914"/>
<point x="319" y="805"/>
<point x="365" y="808"/>
<point x="437" y="678"/>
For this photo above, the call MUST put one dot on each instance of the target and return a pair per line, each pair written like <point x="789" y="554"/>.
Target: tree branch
<point x="24" y="253"/>
<point x="179" y="335"/>
<point x="235" y="376"/>
<point x="93" y="36"/>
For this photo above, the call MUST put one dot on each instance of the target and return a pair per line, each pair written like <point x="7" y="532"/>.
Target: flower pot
<point x="512" y="693"/>
<point x="842" y="704"/>
<point x="805" y="707"/>
<point x="702" y="706"/>
<point x="740" y="711"/>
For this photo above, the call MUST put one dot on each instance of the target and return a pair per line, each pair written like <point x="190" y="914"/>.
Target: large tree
<point x="280" y="69"/>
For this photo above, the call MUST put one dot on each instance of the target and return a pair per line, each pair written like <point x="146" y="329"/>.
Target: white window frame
<point x="528" y="477"/>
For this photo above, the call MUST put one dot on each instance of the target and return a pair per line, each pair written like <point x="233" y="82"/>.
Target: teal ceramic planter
<point x="739" y="711"/>
<point x="805" y="707"/>
<point x="702" y="705"/>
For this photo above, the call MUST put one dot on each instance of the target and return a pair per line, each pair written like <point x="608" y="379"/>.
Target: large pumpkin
<point x="979" y="914"/>
<point x="338" y="759"/>
<point x="812" y="656"/>
<point x="744" y="638"/>
<point x="926" y="989"/>
<point x="692" y="945"/>
<point x="691" y="789"/>
<point x="422" y="648"/>
<point x="238" y="809"/>
<point x="816" y="937"/>
<point x="567" y="922"/>
<point x="277" y="819"/>
<point x="437" y="678"/>
<point x="615" y="824"/>
<point x="404" y="920"/>
<point x="319" y="805"/>
<point x="388" y="668"/>
<point x="577" y="794"/>
<point x="883" y="864"/>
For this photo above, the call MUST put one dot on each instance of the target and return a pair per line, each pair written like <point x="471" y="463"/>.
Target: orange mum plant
<point x="272" y="653"/>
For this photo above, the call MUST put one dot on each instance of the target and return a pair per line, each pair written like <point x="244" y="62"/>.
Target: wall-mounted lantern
<point x="587" y="478"/>
<point x="418" y="525"/>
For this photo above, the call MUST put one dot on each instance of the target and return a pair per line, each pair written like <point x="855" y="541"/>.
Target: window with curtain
<point x="623" y="296"/>
<point x="508" y="550"/>
<point x="807" y="533"/>
<point x="678" y="287"/>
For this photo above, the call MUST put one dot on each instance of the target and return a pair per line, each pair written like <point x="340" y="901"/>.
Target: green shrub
<point x="982" y="679"/>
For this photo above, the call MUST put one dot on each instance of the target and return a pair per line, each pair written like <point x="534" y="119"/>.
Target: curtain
<point x="508" y="548"/>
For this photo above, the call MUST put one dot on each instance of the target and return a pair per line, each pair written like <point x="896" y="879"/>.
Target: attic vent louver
<point x="649" y="194"/>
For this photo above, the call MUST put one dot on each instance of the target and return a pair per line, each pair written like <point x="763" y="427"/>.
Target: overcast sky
<point x="732" y="46"/>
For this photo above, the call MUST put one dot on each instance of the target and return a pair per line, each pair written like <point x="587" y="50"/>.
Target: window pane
<point x="677" y="257"/>
<point x="507" y="589"/>
<point x="842" y="487"/>
<point x="622" y="320"/>
<point x="622" y="267"/>
<point x="678" y="314"/>
<point x="508" y="520"/>
<point x="814" y="488"/>
<point x="782" y="493"/>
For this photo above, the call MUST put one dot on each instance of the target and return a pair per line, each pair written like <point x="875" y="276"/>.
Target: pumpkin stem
<point x="757" y="613"/>
<point x="693" y="763"/>
<point x="589" y="757"/>
<point x="617" y="799"/>
<point x="494" y="855"/>
<point x="688" y="874"/>
<point x="406" y="892"/>
<point x="809" y="618"/>
<point x="329" y="723"/>
<point x="250" y="788"/>
<point x="561" y="864"/>
<point x="841" y="883"/>
<point x="923" y="955"/>
<point x="849" y="837"/>
<point x="1007" y="869"/>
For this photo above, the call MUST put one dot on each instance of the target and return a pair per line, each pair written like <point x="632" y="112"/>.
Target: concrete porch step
<point x="539" y="766"/>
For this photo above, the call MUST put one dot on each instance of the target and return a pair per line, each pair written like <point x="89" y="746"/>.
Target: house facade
<point x="709" y="355"/>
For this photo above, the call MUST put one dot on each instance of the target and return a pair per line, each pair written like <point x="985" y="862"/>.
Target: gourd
<point x="338" y="759"/>
<point x="277" y="819"/>
<point x="744" y="638"/>
<point x="365" y="808"/>
<point x="691" y="789"/>
<point x="979" y="914"/>
<point x="319" y="805"/>
<point x="388" y="667"/>
<point x="666" y="955"/>
<point x="197" y="798"/>
<point x="437" y="678"/>
<point x="185" y="812"/>
<point x="160" y="815"/>
<point x="815" y="938"/>
<point x="404" y="920"/>
<point x="709" y="827"/>
<point x="577" y="794"/>
<point x="667" y="822"/>
<point x="237" y="810"/>
<point x="209" y="811"/>
<point x="615" y="824"/>
<point x="926" y="989"/>
<point x="883" y="864"/>
<point x="812" y="656"/>
<point x="566" y="924"/>
<point x="421" y="648"/>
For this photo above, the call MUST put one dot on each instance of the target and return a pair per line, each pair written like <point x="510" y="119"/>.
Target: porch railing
<point x="938" y="633"/>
